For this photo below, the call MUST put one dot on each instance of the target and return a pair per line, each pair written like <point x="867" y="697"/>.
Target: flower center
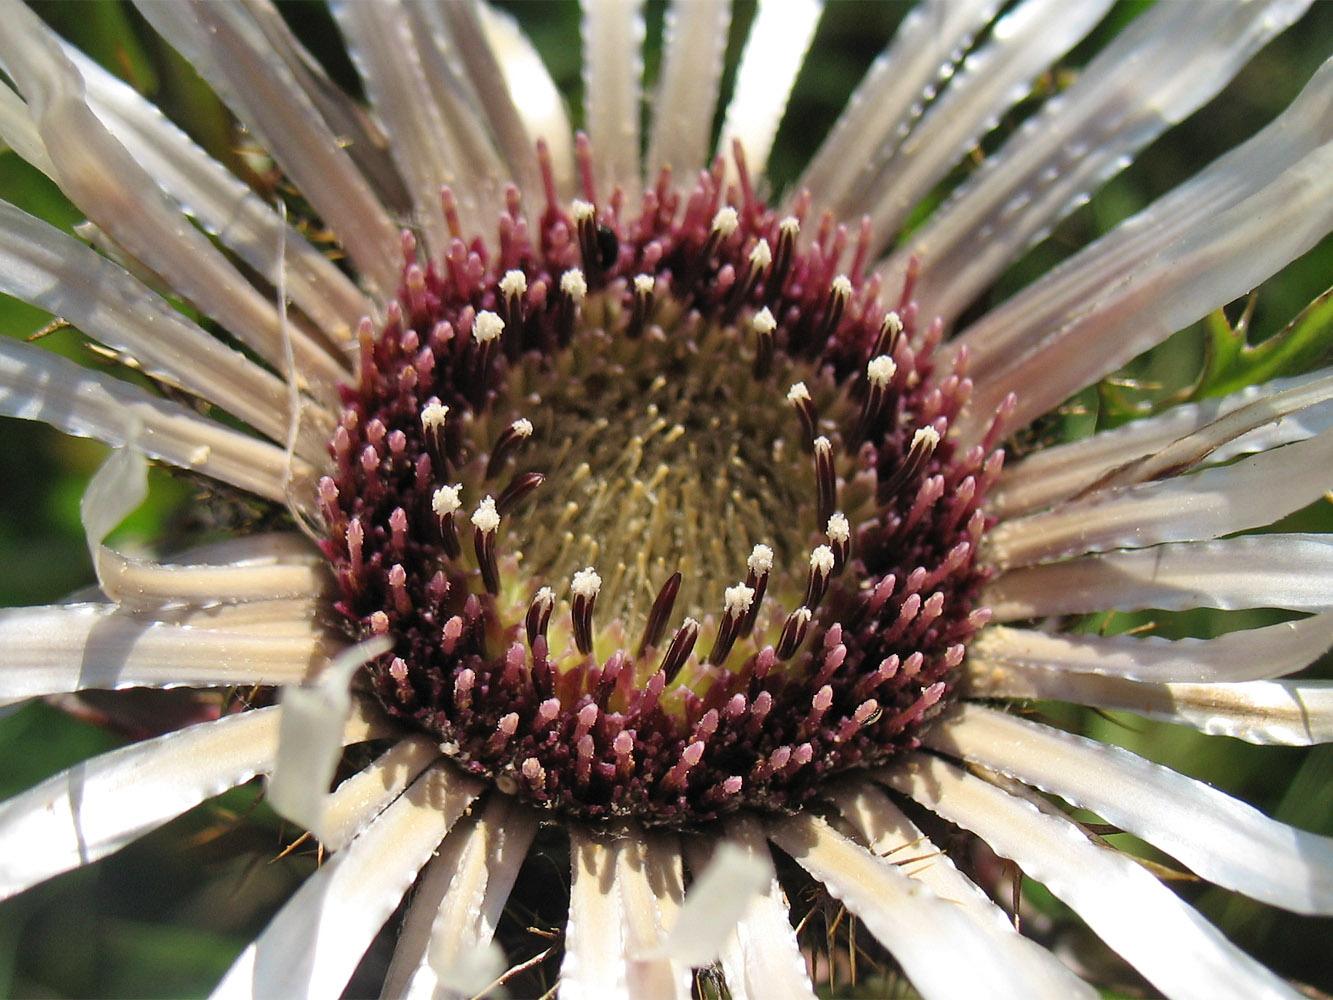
<point x="658" y="508"/>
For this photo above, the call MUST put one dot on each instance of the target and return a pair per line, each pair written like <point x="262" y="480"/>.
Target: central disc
<point x="659" y="514"/>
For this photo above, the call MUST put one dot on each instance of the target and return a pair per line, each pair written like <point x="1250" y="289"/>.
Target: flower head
<point x="647" y="518"/>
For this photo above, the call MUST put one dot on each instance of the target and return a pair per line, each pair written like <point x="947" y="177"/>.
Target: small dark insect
<point x="608" y="247"/>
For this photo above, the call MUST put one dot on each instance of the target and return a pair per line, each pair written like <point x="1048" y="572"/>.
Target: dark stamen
<point x="799" y="397"/>
<point x="788" y="228"/>
<point x="759" y="260"/>
<point x="509" y="441"/>
<point x="573" y="290"/>
<point x="890" y="330"/>
<point x="644" y="286"/>
<point x="682" y="644"/>
<point x="539" y="614"/>
<point x="822" y="562"/>
<point x="793" y="632"/>
<point x="825" y="478"/>
<point x="517" y="491"/>
<point x="760" y="564"/>
<point x="879" y="377"/>
<point x="485" y="521"/>
<point x="738" y="601"/>
<point x="924" y="442"/>
<point x="513" y="287"/>
<point x="584" y="588"/>
<point x="840" y="292"/>
<point x="661" y="611"/>
<point x="585" y="228"/>
<point x="445" y="503"/>
<point x="486" y="331"/>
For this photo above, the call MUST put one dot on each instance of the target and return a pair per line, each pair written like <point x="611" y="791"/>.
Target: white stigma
<point x="738" y="599"/>
<point x="573" y="284"/>
<point x="761" y="560"/>
<point x="839" y="529"/>
<point x="644" y="284"/>
<point x="581" y="210"/>
<point x="798" y="394"/>
<point x="726" y="221"/>
<point x="823" y="446"/>
<point x="761" y="256"/>
<point x="927" y="438"/>
<point x="445" y="500"/>
<point x="514" y="283"/>
<point x="881" y="370"/>
<point x="433" y="415"/>
<point x="842" y="287"/>
<point x="586" y="583"/>
<point x="522" y="427"/>
<point x="789" y="226"/>
<point x="893" y="323"/>
<point x="545" y="597"/>
<point x="486" y="518"/>
<point x="763" y="321"/>
<point x="487" y="326"/>
<point x="821" y="559"/>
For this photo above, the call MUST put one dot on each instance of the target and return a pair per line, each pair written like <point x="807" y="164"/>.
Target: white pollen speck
<point x="514" y="283"/>
<point x="798" y="393"/>
<point x="823" y="446"/>
<point x="926" y="437"/>
<point x="433" y="415"/>
<point x="892" y="323"/>
<point x="486" y="518"/>
<point x="761" y="559"/>
<point x="789" y="226"/>
<point x="726" y="221"/>
<point x="644" y="284"/>
<point x="200" y="455"/>
<point x="487" y="326"/>
<point x="522" y="427"/>
<point x="445" y="500"/>
<point x="586" y="583"/>
<point x="842" y="286"/>
<point x="764" y="322"/>
<point x="821" y="559"/>
<point x="738" y="599"/>
<point x="881" y="370"/>
<point x="838" y="530"/>
<point x="573" y="284"/>
<point x="545" y="596"/>
<point x="761" y="256"/>
<point x="581" y="210"/>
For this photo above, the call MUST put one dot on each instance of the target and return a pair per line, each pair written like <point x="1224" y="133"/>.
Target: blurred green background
<point x="166" y="916"/>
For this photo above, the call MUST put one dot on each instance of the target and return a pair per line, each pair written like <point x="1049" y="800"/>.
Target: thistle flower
<point x="645" y="517"/>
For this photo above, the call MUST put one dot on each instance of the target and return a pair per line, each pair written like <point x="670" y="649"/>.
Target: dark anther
<point x="682" y="644"/>
<point x="518" y="489"/>
<point x="661" y="611"/>
<point x="539" y="614"/>
<point x="608" y="247"/>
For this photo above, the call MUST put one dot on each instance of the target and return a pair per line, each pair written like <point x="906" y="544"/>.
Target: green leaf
<point x="1233" y="364"/>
